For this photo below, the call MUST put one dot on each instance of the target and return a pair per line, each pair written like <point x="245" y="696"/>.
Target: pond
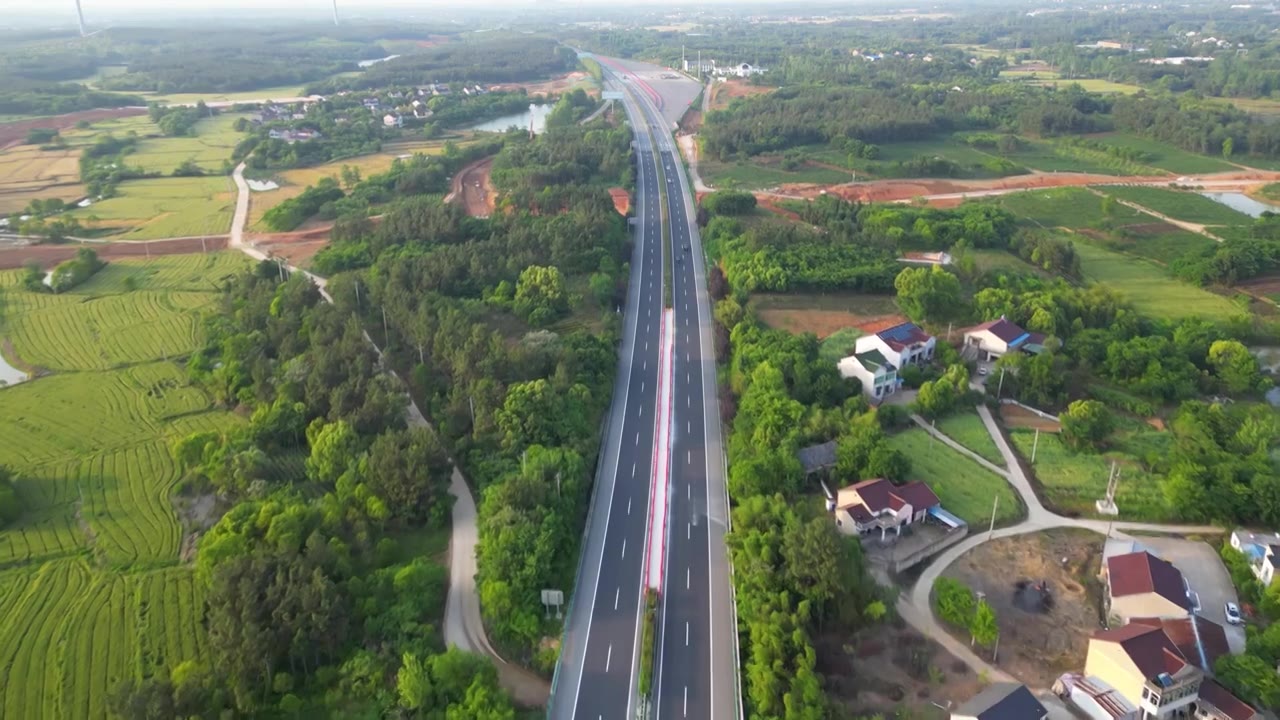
<point x="10" y="375"/>
<point x="536" y="113"/>
<point x="1242" y="203"/>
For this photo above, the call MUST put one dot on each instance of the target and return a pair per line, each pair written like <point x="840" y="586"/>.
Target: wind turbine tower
<point x="80" y="18"/>
<point x="335" y="11"/>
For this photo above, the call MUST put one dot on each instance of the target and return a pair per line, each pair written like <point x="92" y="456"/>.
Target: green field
<point x="1179" y="205"/>
<point x="1047" y="156"/>
<point x="968" y="430"/>
<point x="1072" y="482"/>
<point x="1166" y="157"/>
<point x="165" y="207"/>
<point x="1071" y="207"/>
<point x="92" y="590"/>
<point x="1150" y="289"/>
<point x="760" y="174"/>
<point x="272" y="93"/>
<point x="965" y="488"/>
<point x="211" y="147"/>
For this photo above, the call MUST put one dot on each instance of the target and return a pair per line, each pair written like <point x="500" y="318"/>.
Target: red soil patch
<point x="621" y="200"/>
<point x="1155" y="228"/>
<point x="691" y="122"/>
<point x="49" y="255"/>
<point x="771" y="204"/>
<point x="1015" y="416"/>
<point x="1267" y="285"/>
<point x="15" y="133"/>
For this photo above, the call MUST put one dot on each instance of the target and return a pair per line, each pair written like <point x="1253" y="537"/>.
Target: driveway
<point x="1207" y="576"/>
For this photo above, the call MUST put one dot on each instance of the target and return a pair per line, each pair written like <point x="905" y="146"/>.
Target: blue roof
<point x="1019" y="340"/>
<point x="945" y="516"/>
<point x="1253" y="550"/>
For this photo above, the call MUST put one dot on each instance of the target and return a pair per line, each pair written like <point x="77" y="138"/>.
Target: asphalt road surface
<point x="598" y="667"/>
<point x="697" y="666"/>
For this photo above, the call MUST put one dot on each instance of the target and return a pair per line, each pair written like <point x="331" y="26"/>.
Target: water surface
<point x="536" y="113"/>
<point x="1241" y="203"/>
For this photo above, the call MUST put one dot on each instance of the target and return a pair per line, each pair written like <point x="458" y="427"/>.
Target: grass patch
<point x="968" y="430"/>
<point x="279" y="92"/>
<point x="1179" y="205"/>
<point x="1073" y="482"/>
<point x="1047" y="157"/>
<point x="839" y="345"/>
<point x="165" y="207"/>
<point x="759" y="173"/>
<point x="92" y="590"/>
<point x="965" y="488"/>
<point x="1150" y="290"/>
<point x="1003" y="261"/>
<point x="1166" y="157"/>
<point x="1071" y="207"/>
<point x="210" y="147"/>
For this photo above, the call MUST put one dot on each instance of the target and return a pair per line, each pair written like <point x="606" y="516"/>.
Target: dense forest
<point x="488" y="60"/>
<point x="489" y="321"/>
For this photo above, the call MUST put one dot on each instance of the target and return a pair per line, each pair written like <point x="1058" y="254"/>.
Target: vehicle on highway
<point x="686" y="247"/>
<point x="1233" y="614"/>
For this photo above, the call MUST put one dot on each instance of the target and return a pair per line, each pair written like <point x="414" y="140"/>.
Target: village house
<point x="1159" y="667"/>
<point x="1262" y="550"/>
<point x="871" y="505"/>
<point x="996" y="338"/>
<point x="878" y="357"/>
<point x="1140" y="584"/>
<point x="1002" y="701"/>
<point x="393" y="120"/>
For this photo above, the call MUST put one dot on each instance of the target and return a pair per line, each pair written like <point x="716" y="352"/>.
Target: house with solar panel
<point x="879" y="357"/>
<point x="996" y="338"/>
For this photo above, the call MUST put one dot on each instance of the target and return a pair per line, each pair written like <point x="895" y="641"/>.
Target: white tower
<point x="80" y="18"/>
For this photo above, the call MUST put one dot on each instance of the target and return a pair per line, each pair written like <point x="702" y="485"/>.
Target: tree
<point x="350" y="176"/>
<point x="1235" y="366"/>
<point x="729" y="202"/>
<point x="413" y="684"/>
<point x="1251" y="678"/>
<point x="410" y="470"/>
<point x="10" y="503"/>
<point x="540" y="295"/>
<point x="983" y="628"/>
<point x="928" y="293"/>
<point x="1086" y="424"/>
<point x="954" y="601"/>
<point x="1228" y="146"/>
<point x="334" y="449"/>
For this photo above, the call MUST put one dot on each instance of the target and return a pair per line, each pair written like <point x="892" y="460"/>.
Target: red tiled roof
<point x="1001" y="328"/>
<point x="859" y="513"/>
<point x="1213" y="638"/>
<point x="1149" y="648"/>
<point x="1226" y="703"/>
<point x="879" y="494"/>
<point x="1141" y="572"/>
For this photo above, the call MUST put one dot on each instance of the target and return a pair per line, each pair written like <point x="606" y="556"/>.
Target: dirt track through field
<point x="12" y="257"/>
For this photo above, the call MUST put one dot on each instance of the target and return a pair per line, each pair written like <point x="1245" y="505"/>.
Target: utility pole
<point x="386" y="338"/>
<point x="471" y="400"/>
<point x="1035" y="443"/>
<point x="1000" y="387"/>
<point x="992" y="530"/>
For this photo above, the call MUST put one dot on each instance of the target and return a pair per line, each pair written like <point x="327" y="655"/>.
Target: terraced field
<point x="91" y="587"/>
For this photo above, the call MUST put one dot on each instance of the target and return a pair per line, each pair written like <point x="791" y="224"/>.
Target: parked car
<point x="1233" y="614"/>
<point x="982" y="370"/>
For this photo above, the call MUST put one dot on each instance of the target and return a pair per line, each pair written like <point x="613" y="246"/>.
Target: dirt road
<point x="474" y="189"/>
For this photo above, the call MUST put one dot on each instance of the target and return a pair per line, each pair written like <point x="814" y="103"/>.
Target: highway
<point x="598" y="669"/>
<point x="697" y="671"/>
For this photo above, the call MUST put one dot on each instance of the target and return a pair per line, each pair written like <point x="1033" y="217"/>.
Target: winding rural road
<point x="463" y="624"/>
<point x="914" y="605"/>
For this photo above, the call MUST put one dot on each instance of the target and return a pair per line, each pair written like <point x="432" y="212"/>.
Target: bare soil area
<point x="14" y="133"/>
<point x="473" y="187"/>
<point x="724" y="93"/>
<point x="1045" y="591"/>
<point x="555" y="86"/>
<point x="891" y="670"/>
<point x="1014" y="416"/>
<point x="1267" y="286"/>
<point x="48" y="255"/>
<point x="824" y="322"/>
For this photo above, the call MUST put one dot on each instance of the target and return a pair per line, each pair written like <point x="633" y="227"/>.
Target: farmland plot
<point x="92" y="591"/>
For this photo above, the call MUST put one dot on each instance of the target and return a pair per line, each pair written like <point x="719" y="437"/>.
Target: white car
<point x="1233" y="614"/>
<point x="982" y="370"/>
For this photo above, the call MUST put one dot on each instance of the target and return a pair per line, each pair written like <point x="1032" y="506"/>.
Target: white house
<point x="1262" y="550"/>
<point x="878" y="504"/>
<point x="902" y="345"/>
<point x="392" y="120"/>
<point x="878" y="376"/>
<point x="996" y="338"/>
